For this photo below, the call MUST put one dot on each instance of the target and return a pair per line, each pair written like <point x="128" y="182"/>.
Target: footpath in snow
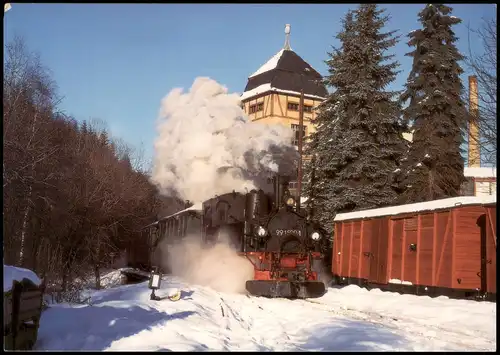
<point x="347" y="319"/>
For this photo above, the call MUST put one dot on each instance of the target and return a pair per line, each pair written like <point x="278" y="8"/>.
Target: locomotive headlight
<point x="290" y="201"/>
<point x="261" y="231"/>
<point x="315" y="236"/>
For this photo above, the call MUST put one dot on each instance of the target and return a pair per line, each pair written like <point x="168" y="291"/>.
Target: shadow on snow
<point x="97" y="327"/>
<point x="348" y="335"/>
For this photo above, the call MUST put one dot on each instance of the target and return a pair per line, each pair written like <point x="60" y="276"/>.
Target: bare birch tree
<point x="484" y="67"/>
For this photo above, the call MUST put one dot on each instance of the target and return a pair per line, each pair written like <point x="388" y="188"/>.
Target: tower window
<point x="295" y="107"/>
<point x="295" y="129"/>
<point x="256" y="107"/>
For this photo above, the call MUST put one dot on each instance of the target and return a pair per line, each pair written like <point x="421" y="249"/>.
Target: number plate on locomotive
<point x="283" y="232"/>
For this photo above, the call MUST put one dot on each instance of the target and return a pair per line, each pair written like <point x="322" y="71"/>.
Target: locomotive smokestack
<point x="280" y="188"/>
<point x="277" y="191"/>
<point x="474" y="156"/>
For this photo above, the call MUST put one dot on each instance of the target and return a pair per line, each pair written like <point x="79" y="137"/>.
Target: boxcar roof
<point x="418" y="207"/>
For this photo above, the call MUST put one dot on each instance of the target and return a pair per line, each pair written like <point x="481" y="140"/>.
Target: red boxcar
<point x="442" y="247"/>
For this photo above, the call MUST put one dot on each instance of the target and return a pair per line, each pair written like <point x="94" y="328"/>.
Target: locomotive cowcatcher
<point x="269" y="230"/>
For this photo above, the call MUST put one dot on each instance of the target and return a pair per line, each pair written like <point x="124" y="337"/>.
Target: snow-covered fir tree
<point x="358" y="146"/>
<point x="435" y="167"/>
<point x="319" y="148"/>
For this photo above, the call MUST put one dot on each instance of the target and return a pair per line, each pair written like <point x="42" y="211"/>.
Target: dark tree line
<point x="73" y="198"/>
<point x="359" y="158"/>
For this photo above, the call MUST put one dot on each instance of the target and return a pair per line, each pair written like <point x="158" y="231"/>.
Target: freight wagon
<point x="442" y="247"/>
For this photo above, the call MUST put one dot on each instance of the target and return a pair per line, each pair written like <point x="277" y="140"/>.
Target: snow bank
<point x="347" y="319"/>
<point x="112" y="279"/>
<point x="417" y="207"/>
<point x="439" y="323"/>
<point x="12" y="273"/>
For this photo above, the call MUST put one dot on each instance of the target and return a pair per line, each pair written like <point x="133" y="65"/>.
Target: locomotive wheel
<point x="285" y="289"/>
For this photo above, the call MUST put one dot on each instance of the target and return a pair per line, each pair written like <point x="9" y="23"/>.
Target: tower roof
<point x="286" y="72"/>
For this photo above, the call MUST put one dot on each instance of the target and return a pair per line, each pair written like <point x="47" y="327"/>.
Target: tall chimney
<point x="474" y="158"/>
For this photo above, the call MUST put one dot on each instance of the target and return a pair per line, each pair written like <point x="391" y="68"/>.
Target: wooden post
<point x="301" y="130"/>
<point x="312" y="182"/>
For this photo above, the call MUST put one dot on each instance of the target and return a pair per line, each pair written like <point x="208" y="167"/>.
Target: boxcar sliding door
<point x="404" y="249"/>
<point x="378" y="250"/>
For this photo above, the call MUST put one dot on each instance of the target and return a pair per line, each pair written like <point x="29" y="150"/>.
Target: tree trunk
<point x="96" y="261"/>
<point x="24" y="228"/>
<point x="97" y="277"/>
<point x="430" y="186"/>
<point x="64" y="284"/>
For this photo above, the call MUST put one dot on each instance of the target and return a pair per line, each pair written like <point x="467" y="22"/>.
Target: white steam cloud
<point x="207" y="146"/>
<point x="218" y="267"/>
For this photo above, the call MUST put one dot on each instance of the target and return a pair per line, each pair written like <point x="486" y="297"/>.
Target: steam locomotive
<point x="269" y="230"/>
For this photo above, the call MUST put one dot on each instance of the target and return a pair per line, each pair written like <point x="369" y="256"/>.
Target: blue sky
<point x="116" y="62"/>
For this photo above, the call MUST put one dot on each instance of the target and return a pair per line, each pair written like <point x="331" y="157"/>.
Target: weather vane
<point x="287" y="38"/>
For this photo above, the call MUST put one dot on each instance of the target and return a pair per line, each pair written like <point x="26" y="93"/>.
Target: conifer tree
<point x="318" y="147"/>
<point x="359" y="144"/>
<point x="434" y="168"/>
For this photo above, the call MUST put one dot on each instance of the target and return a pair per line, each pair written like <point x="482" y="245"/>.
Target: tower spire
<point x="287" y="38"/>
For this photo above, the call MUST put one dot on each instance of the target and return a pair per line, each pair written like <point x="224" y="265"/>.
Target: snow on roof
<point x="196" y="207"/>
<point x="417" y="207"/>
<point x="267" y="87"/>
<point x="12" y="273"/>
<point x="270" y="64"/>
<point x="482" y="172"/>
<point x="408" y="136"/>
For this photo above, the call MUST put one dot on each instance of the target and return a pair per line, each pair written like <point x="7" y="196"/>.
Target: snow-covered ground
<point x="345" y="319"/>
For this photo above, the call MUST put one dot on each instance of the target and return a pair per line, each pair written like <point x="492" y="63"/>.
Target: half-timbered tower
<point x="272" y="93"/>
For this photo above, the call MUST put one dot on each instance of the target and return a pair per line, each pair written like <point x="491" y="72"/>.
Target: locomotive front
<point x="282" y="244"/>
